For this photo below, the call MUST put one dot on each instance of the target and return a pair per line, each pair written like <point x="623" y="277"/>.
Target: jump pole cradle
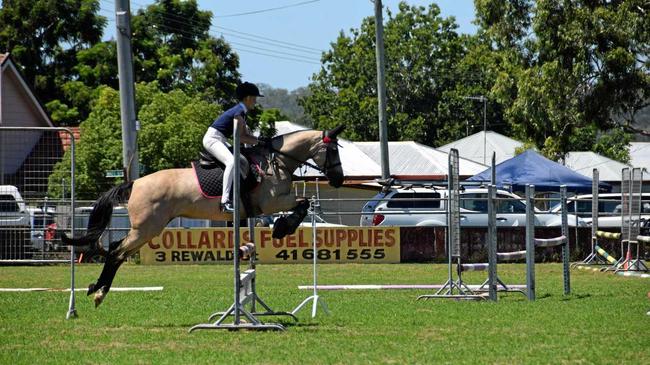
<point x="593" y="258"/>
<point x="633" y="232"/>
<point x="532" y="243"/>
<point x="453" y="288"/>
<point x="314" y="298"/>
<point x="244" y="283"/>
<point x="493" y="282"/>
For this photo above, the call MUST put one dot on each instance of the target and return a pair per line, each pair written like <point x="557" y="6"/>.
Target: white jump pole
<point x="315" y="299"/>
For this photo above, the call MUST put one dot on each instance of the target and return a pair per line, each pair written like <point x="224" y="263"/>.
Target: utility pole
<point x="482" y="99"/>
<point x="127" y="92"/>
<point x="381" y="90"/>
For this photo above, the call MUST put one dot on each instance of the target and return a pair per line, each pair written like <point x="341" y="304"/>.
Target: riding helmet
<point x="247" y="89"/>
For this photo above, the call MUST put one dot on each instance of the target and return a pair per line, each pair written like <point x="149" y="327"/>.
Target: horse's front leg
<point x="284" y="226"/>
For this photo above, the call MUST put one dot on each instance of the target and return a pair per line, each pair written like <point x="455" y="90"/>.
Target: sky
<point x="282" y="47"/>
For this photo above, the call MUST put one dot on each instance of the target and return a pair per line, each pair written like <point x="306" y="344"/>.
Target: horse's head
<point x="327" y="156"/>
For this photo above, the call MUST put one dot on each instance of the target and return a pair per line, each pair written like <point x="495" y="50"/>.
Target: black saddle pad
<point x="210" y="181"/>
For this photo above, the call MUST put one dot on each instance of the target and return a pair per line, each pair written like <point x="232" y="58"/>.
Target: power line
<point x="185" y="21"/>
<point x="266" y="10"/>
<point x="187" y="35"/>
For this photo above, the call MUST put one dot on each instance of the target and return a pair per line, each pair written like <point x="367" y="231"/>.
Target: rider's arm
<point x="244" y="135"/>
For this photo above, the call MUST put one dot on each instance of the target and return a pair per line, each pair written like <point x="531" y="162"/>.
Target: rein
<point x="324" y="169"/>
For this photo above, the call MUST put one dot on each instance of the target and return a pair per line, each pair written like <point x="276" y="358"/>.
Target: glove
<point x="264" y="142"/>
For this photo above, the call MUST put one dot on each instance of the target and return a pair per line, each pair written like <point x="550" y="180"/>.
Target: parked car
<point x="40" y="224"/>
<point x="13" y="212"/>
<point x="14" y="224"/>
<point x="609" y="209"/>
<point x="427" y="206"/>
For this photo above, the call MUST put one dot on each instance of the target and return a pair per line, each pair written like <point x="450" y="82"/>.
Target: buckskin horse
<point x="156" y="199"/>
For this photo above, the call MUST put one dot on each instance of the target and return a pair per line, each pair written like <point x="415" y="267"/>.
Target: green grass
<point x="603" y="321"/>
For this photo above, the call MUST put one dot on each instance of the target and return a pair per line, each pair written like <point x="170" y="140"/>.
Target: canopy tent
<point x="532" y="168"/>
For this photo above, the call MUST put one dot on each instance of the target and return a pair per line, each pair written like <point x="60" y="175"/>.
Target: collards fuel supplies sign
<point x="334" y="245"/>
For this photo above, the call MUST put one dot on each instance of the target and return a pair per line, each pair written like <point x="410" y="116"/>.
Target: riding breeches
<point x="217" y="144"/>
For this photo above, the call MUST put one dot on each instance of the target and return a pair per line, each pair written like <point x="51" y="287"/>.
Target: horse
<point x="154" y="200"/>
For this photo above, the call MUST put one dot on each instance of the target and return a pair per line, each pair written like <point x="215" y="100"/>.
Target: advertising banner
<point x="334" y="245"/>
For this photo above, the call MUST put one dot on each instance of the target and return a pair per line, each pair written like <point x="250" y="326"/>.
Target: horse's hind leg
<point x="118" y="253"/>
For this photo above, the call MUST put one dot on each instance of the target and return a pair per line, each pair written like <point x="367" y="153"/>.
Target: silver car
<point x="427" y="206"/>
<point x="609" y="209"/>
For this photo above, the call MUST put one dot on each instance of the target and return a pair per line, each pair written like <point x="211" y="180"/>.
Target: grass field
<point x="603" y="321"/>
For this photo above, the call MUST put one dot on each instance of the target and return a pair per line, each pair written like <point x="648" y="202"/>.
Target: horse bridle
<point x="330" y="142"/>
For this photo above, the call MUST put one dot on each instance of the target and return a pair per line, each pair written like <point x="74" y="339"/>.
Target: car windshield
<point x="8" y="203"/>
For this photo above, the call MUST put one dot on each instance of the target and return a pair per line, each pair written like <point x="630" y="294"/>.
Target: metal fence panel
<point x="31" y="210"/>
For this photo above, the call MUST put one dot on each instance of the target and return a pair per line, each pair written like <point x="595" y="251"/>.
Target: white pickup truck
<point x="15" y="224"/>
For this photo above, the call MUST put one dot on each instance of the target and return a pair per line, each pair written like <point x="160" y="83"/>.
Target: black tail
<point x="100" y="215"/>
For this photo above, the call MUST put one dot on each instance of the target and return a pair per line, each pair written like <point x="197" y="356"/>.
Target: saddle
<point x="209" y="175"/>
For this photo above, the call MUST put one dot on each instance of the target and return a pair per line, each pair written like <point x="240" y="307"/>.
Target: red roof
<point x="65" y="137"/>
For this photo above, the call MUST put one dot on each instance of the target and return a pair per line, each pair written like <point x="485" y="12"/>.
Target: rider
<point x="216" y="138"/>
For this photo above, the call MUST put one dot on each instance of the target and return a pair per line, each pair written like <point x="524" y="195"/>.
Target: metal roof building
<point x="479" y="147"/>
<point x="412" y="160"/>
<point x="585" y="162"/>
<point x="640" y="155"/>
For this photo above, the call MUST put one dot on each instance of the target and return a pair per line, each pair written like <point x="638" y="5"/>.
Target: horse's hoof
<point x="99" y="297"/>
<point x="91" y="289"/>
<point x="280" y="228"/>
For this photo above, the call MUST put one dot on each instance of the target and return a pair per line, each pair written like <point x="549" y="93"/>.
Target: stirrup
<point x="227" y="207"/>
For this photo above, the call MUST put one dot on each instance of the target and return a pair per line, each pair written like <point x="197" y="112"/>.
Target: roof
<point x="585" y="162"/>
<point x="640" y="155"/>
<point x="532" y="168"/>
<point x="65" y="137"/>
<point x="472" y="147"/>
<point x="7" y="64"/>
<point x="356" y="164"/>
<point x="409" y="159"/>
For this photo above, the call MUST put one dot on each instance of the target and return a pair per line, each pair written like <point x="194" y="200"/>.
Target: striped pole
<point x="604" y="254"/>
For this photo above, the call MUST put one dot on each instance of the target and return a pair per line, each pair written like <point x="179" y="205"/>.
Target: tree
<point x="44" y="38"/>
<point x="172" y="127"/>
<point x="574" y="73"/>
<point x="427" y="77"/>
<point x="173" y="46"/>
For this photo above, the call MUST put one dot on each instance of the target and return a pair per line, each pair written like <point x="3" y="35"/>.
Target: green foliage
<point x="268" y="119"/>
<point x="572" y="73"/>
<point x="44" y="38"/>
<point x="178" y="52"/>
<point x="427" y="75"/>
<point x="172" y="126"/>
<point x="66" y="62"/>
